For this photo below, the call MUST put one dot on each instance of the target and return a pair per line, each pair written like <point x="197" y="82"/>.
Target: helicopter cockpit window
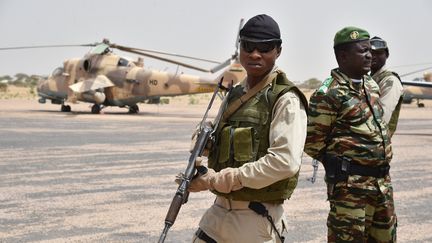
<point x="86" y="65"/>
<point x="58" y="71"/>
<point x="101" y="49"/>
<point x="122" y="62"/>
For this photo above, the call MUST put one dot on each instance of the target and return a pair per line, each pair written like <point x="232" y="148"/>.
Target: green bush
<point x="312" y="83"/>
<point x="3" y="87"/>
<point x="193" y="100"/>
<point x="164" y="101"/>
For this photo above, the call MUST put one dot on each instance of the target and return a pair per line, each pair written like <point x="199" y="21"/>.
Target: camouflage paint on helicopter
<point x="107" y="79"/>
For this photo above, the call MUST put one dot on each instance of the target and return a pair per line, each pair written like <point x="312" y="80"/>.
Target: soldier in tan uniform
<point x="347" y="133"/>
<point x="256" y="155"/>
<point x="388" y="81"/>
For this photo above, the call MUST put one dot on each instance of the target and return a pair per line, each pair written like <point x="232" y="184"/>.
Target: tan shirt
<point x="391" y="90"/>
<point x="287" y="137"/>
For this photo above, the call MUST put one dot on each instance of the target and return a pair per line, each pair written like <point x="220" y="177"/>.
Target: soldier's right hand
<point x="200" y="170"/>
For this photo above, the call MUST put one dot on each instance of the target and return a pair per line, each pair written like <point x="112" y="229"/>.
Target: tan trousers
<point x="228" y="221"/>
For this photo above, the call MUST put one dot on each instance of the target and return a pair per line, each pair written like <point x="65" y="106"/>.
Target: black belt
<point x="203" y="236"/>
<point x="339" y="168"/>
<point x="378" y="172"/>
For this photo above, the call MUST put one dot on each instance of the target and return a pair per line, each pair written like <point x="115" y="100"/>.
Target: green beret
<point x="350" y="34"/>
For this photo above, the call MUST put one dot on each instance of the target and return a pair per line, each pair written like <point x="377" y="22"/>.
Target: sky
<point x="208" y="29"/>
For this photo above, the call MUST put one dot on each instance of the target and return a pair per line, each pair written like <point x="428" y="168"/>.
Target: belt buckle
<point x="345" y="165"/>
<point x="384" y="170"/>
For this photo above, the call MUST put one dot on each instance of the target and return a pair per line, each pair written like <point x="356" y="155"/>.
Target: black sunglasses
<point x="262" y="47"/>
<point x="378" y="44"/>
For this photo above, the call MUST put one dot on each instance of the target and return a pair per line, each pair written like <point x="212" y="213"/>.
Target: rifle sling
<point x="234" y="106"/>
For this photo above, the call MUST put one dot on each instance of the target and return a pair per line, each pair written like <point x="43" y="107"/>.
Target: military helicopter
<point x="417" y="89"/>
<point x="104" y="78"/>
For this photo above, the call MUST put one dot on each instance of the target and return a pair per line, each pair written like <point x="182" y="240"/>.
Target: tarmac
<point x="81" y="177"/>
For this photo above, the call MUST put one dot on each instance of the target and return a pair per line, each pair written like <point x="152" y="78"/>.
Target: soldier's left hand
<point x="225" y="181"/>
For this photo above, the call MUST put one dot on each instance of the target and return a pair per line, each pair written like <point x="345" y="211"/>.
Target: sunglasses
<point x="378" y="44"/>
<point x="262" y="47"/>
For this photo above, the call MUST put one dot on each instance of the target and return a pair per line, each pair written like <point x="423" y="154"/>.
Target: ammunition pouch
<point x="339" y="168"/>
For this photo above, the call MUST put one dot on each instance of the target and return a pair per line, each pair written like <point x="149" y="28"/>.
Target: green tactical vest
<point x="395" y="115"/>
<point x="244" y="138"/>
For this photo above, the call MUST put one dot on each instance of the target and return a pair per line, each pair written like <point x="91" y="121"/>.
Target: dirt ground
<point x="80" y="177"/>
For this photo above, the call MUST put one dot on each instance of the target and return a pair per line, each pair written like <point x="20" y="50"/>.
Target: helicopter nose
<point x="41" y="83"/>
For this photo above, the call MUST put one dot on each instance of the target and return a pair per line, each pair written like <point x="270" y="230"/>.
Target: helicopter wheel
<point x="419" y="104"/>
<point x="133" y="109"/>
<point x="65" y="108"/>
<point x="95" y="109"/>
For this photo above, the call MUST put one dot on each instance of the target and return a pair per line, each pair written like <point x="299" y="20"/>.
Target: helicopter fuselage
<point x="110" y="80"/>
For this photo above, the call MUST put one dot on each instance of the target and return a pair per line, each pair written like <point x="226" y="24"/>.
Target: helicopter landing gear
<point x="419" y="104"/>
<point x="133" y="109"/>
<point x="95" y="109"/>
<point x="65" y="108"/>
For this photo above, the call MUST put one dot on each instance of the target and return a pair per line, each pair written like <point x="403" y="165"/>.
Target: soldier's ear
<point x="279" y="50"/>
<point x="342" y="56"/>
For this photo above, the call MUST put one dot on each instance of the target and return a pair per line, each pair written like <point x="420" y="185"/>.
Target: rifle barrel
<point x="164" y="233"/>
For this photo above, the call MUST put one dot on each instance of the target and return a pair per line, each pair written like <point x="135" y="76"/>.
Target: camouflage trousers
<point x="358" y="215"/>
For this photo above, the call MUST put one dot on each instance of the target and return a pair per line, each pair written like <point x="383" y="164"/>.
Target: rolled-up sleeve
<point x="287" y="137"/>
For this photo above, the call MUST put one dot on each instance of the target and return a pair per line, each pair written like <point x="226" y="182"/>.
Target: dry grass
<point x="15" y="92"/>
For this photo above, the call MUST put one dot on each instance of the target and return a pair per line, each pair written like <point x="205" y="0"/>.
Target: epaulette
<point x="325" y="85"/>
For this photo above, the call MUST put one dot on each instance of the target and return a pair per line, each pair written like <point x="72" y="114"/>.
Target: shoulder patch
<point x="325" y="85"/>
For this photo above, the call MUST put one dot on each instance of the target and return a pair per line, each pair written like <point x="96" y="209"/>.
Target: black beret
<point x="260" y="28"/>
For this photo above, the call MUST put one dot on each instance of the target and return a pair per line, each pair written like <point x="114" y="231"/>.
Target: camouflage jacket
<point x="341" y="121"/>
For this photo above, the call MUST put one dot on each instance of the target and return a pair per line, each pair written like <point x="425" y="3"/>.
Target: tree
<point x="312" y="83"/>
<point x="5" y="77"/>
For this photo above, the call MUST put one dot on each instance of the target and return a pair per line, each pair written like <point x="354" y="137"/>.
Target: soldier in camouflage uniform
<point x="388" y="81"/>
<point x="347" y="133"/>
<point x="256" y="155"/>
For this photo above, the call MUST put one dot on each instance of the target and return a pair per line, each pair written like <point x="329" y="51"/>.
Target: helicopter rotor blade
<point x="237" y="42"/>
<point x="177" y="55"/>
<point x="45" y="46"/>
<point x="221" y="66"/>
<point x="235" y="55"/>
<point x="417" y="71"/>
<point x="135" y="51"/>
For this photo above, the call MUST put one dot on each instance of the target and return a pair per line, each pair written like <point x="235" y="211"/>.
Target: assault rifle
<point x="181" y="196"/>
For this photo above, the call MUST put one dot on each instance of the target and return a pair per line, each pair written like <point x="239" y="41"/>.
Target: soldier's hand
<point x="201" y="181"/>
<point x="225" y="181"/>
<point x="198" y="164"/>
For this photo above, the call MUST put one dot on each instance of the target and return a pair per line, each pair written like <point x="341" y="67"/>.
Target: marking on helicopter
<point x="203" y="89"/>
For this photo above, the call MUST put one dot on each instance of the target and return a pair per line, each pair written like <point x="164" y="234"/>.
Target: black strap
<point x="339" y="168"/>
<point x="375" y="116"/>
<point x="378" y="172"/>
<point x="203" y="236"/>
<point x="260" y="209"/>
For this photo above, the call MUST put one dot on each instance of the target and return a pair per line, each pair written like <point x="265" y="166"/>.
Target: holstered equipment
<point x="260" y="209"/>
<point x="203" y="236"/>
<point x="338" y="168"/>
